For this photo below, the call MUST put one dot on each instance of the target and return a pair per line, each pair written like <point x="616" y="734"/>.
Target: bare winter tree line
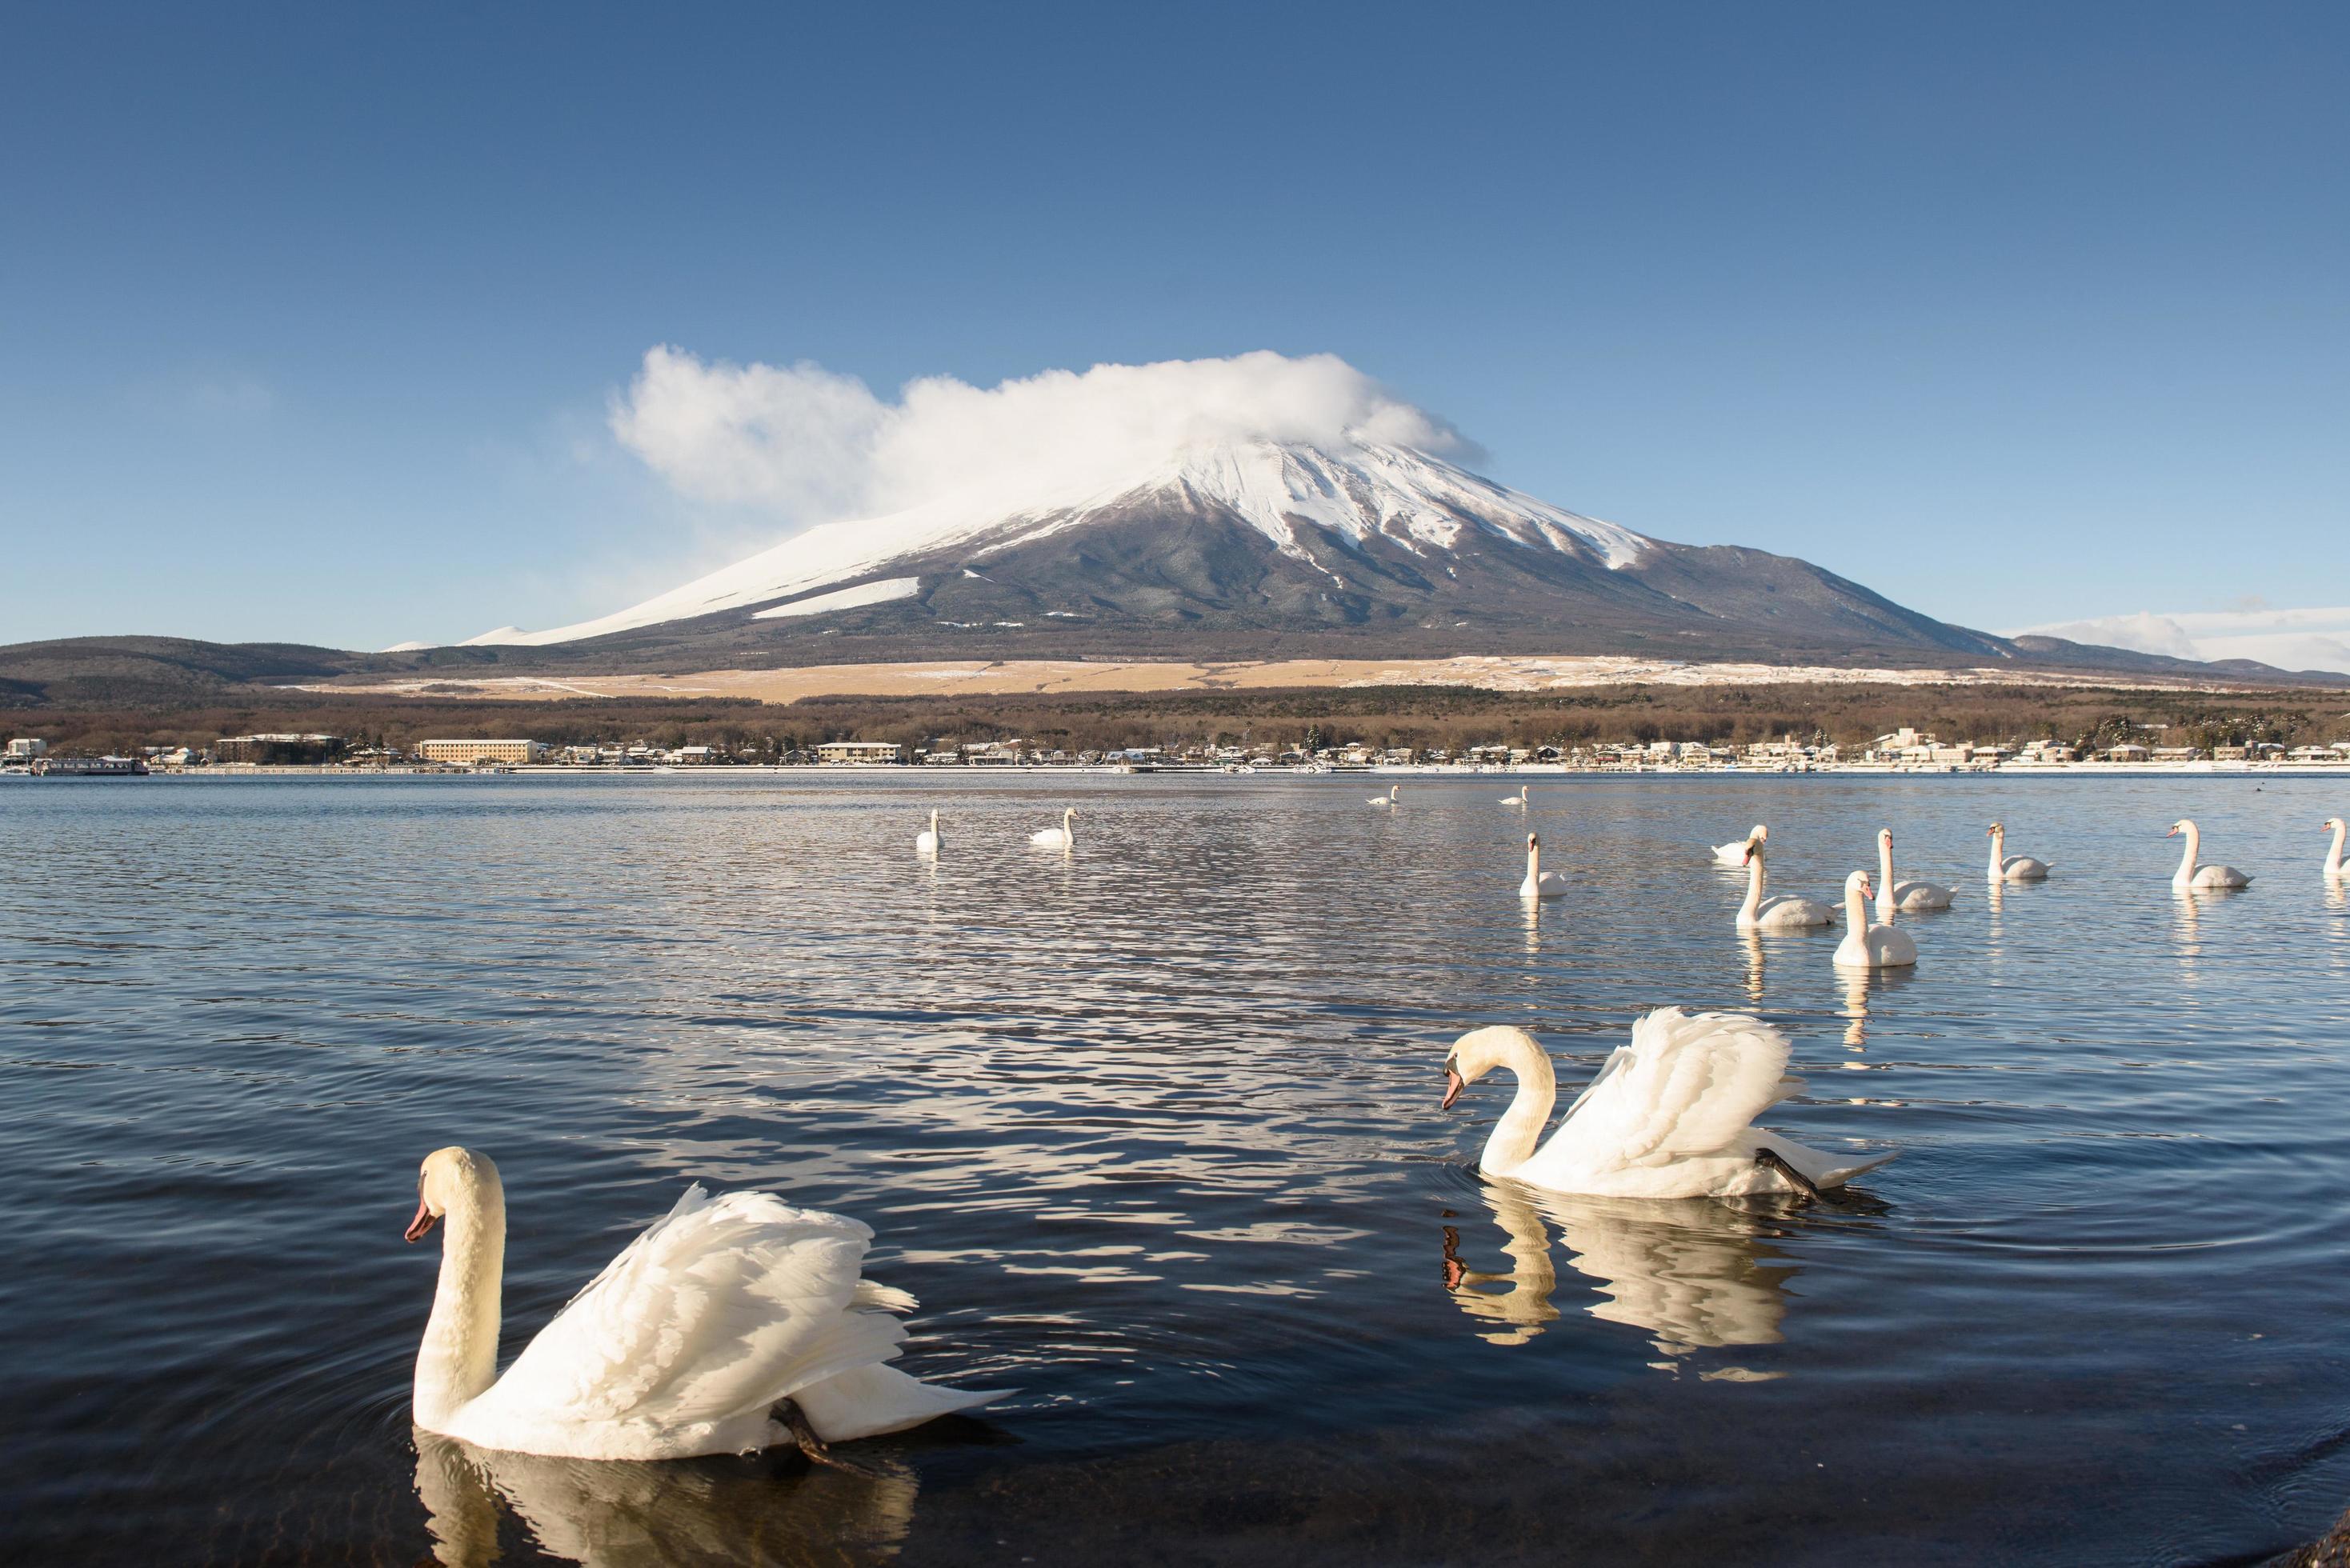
<point x="1420" y="717"/>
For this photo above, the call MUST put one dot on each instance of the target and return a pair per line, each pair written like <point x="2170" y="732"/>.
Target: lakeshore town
<point x="1903" y="751"/>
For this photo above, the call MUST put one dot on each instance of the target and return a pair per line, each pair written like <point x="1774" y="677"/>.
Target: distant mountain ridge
<point x="1227" y="551"/>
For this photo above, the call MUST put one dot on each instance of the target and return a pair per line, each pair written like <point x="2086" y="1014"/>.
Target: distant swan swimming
<point x="1735" y="852"/>
<point x="2192" y="875"/>
<point x="1386" y="799"/>
<point x="2006" y="868"/>
<point x="1866" y="946"/>
<point x="1906" y="896"/>
<point x="719" y="1318"/>
<point x="2334" y="870"/>
<point x="1668" y="1116"/>
<point x="1539" y="883"/>
<point x="1523" y="797"/>
<point x="1061" y="838"/>
<point x="1781" y="911"/>
<point x="928" y="841"/>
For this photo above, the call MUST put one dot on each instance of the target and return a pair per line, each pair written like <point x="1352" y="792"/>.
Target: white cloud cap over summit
<point x="810" y="446"/>
<point x="2289" y="638"/>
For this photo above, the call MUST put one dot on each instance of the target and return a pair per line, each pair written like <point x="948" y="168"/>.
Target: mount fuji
<point x="1237" y="548"/>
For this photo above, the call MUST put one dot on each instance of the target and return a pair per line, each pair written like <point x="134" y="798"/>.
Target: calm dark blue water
<point x="1151" y="1129"/>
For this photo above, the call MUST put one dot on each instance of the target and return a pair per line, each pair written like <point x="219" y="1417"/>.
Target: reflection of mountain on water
<point x="683" y="1514"/>
<point x="1692" y="1273"/>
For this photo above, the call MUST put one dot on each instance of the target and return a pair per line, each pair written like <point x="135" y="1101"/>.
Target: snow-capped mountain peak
<point x="1348" y="494"/>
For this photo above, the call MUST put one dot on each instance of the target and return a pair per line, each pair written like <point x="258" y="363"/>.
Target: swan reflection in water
<point x="672" y="1513"/>
<point x="1752" y="942"/>
<point x="1695" y="1273"/>
<point x="1859" y="984"/>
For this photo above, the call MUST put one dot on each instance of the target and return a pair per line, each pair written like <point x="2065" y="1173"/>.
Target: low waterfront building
<point x="280" y="751"/>
<point x="26" y="749"/>
<point x="467" y="752"/>
<point x="867" y="753"/>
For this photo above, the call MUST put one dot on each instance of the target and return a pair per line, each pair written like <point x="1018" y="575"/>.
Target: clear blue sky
<point x="309" y="314"/>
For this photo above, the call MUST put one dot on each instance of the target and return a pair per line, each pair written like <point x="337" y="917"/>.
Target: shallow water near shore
<point x="1151" y="1129"/>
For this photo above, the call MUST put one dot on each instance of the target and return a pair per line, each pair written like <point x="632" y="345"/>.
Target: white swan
<point x="1522" y="798"/>
<point x="1906" y="896"/>
<point x="2189" y="874"/>
<point x="723" y="1315"/>
<point x="1539" y="883"/>
<point x="1780" y="912"/>
<point x="1866" y="946"/>
<point x="2336" y="870"/>
<point x="1668" y="1116"/>
<point x="2006" y="868"/>
<point x="1735" y="852"/>
<point x="1061" y="838"/>
<point x="928" y="841"/>
<point x="1386" y="799"/>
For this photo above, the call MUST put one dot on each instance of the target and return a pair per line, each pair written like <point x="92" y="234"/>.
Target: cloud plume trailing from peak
<point x="807" y="446"/>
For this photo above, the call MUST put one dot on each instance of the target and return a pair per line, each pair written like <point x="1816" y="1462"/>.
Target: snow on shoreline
<point x="1488" y="673"/>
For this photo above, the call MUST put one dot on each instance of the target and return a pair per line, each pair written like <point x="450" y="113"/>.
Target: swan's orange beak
<point x="2172" y="833"/>
<point x="1452" y="1087"/>
<point x="421" y="1226"/>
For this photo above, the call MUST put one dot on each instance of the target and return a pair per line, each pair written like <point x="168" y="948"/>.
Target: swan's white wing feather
<point x="1688" y="1083"/>
<point x="716" y="1312"/>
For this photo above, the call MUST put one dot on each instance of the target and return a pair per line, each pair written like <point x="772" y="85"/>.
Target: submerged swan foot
<point x="795" y="1421"/>
<point x="1795" y="1178"/>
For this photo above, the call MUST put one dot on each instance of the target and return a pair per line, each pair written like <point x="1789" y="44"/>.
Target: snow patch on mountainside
<point x="880" y="593"/>
<point x="1352" y="490"/>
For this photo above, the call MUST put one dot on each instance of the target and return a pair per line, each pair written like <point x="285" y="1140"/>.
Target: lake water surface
<point x="1152" y="1131"/>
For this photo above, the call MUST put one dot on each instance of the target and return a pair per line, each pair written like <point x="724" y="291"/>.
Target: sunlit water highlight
<point x="1151" y="1129"/>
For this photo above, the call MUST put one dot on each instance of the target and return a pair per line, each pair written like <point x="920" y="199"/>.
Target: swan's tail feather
<point x="1819" y="1168"/>
<point x="883" y="1298"/>
<point x="867" y="1401"/>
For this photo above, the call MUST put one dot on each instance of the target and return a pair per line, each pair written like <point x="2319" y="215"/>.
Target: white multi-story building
<point x="866" y="752"/>
<point x="481" y="750"/>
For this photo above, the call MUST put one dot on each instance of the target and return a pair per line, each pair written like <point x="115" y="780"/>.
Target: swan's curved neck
<point x="1855" y="908"/>
<point x="2333" y="855"/>
<point x="2187" y="860"/>
<point x="1753" y="886"/>
<point x="459" y="1357"/>
<point x="1519" y="1128"/>
<point x="1998" y="852"/>
<point x="934" y="819"/>
<point x="1885" y="878"/>
<point x="1534" y="861"/>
